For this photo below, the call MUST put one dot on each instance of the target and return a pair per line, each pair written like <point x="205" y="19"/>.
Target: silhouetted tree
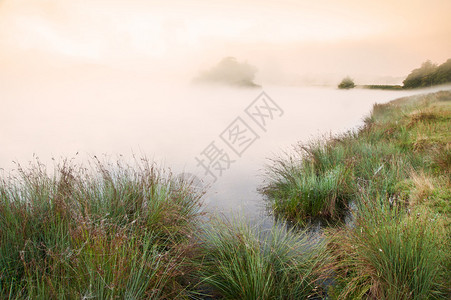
<point x="443" y="73"/>
<point x="230" y="71"/>
<point x="421" y="77"/>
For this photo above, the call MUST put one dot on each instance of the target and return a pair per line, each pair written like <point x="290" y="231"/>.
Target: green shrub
<point x="346" y="83"/>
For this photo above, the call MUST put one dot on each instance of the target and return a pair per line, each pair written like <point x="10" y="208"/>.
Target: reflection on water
<point x="172" y="125"/>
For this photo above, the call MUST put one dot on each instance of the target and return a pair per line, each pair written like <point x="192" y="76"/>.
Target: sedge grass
<point x="398" y="178"/>
<point x="390" y="254"/>
<point x="320" y="179"/>
<point x="240" y="261"/>
<point x="108" y="231"/>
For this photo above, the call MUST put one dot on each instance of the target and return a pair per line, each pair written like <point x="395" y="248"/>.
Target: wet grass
<point x="395" y="172"/>
<point x="390" y="254"/>
<point x="399" y="139"/>
<point x="133" y="231"/>
<point x="321" y="190"/>
<point x="102" y="232"/>
<point x="117" y="230"/>
<point x="240" y="261"/>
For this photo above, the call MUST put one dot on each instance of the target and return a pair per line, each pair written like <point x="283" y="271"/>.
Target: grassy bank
<point x="103" y="232"/>
<point x="118" y="231"/>
<point x="395" y="172"/>
<point x="114" y="231"/>
<point x="401" y="153"/>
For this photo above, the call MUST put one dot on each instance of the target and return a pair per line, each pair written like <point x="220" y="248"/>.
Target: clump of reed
<point x="312" y="183"/>
<point x="240" y="261"/>
<point x="104" y="231"/>
<point x="390" y="253"/>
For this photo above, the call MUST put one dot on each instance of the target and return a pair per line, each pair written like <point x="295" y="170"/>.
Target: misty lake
<point x="173" y="125"/>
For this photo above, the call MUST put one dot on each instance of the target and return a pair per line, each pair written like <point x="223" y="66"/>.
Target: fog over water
<point x="114" y="77"/>
<point x="172" y="124"/>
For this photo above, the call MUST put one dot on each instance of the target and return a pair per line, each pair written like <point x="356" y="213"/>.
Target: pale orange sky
<point x="282" y="38"/>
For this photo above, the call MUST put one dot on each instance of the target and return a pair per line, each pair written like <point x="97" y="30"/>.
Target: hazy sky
<point x="282" y="38"/>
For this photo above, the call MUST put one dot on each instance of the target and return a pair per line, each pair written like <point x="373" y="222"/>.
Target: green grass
<point x="396" y="171"/>
<point x="320" y="179"/>
<point x="118" y="231"/>
<point x="390" y="254"/>
<point x="109" y="231"/>
<point x="114" y="230"/>
<point x="240" y="261"/>
<point x="320" y="191"/>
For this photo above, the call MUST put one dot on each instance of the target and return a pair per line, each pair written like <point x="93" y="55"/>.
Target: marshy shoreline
<point x="115" y="230"/>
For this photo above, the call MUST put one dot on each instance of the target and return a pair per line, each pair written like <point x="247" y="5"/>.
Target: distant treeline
<point x="429" y="74"/>
<point x="382" y="87"/>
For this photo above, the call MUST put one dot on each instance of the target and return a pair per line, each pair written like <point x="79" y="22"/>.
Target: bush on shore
<point x="346" y="83"/>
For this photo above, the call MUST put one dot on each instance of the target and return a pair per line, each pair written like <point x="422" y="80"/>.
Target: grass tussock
<point x="390" y="255"/>
<point x="107" y="231"/>
<point x="242" y="262"/>
<point x="321" y="190"/>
